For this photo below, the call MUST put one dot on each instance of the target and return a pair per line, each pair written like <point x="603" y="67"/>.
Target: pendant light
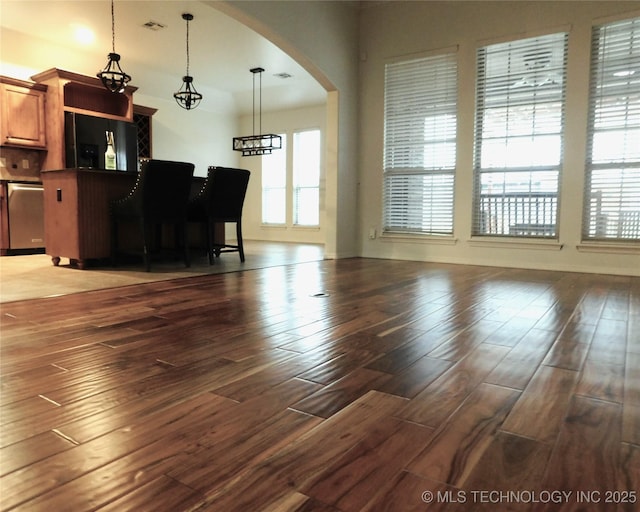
<point x="187" y="97"/>
<point x="112" y="76"/>
<point x="261" y="144"/>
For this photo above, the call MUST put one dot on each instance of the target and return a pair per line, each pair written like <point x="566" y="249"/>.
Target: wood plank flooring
<point x="326" y="386"/>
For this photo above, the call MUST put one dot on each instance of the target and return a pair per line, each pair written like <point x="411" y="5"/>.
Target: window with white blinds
<point x="274" y="185"/>
<point x="519" y="136"/>
<point x="612" y="192"/>
<point x="420" y="110"/>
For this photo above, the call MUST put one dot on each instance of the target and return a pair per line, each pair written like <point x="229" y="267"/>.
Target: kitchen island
<point x="77" y="223"/>
<point x="76" y="212"/>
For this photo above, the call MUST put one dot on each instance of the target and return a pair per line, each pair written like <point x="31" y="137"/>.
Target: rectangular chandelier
<point x="255" y="145"/>
<point x="262" y="144"/>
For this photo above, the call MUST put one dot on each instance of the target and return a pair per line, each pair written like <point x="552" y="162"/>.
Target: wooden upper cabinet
<point x="22" y="114"/>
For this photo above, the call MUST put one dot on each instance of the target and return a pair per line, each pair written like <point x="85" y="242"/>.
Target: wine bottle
<point x="110" y="153"/>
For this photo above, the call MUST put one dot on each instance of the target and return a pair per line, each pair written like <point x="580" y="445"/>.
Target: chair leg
<point x="239" y="237"/>
<point x="146" y="236"/>
<point x="210" y="228"/>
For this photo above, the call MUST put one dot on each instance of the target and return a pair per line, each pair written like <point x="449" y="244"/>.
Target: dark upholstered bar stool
<point x="220" y="200"/>
<point x="159" y="197"/>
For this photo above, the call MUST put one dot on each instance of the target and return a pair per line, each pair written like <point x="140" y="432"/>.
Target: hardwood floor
<point x="346" y="385"/>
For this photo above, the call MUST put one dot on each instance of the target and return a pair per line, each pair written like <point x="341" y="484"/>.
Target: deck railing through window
<point x="608" y="220"/>
<point x="518" y="214"/>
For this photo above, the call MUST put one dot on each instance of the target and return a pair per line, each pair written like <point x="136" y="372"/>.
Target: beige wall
<point x="391" y="30"/>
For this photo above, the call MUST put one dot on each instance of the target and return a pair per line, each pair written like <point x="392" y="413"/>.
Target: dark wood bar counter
<point x="76" y="212"/>
<point x="76" y="215"/>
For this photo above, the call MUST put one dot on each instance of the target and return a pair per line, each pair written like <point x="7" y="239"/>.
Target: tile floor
<point x="34" y="276"/>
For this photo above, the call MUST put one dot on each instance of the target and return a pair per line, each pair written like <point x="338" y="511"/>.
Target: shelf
<point x="86" y="94"/>
<point x="87" y="99"/>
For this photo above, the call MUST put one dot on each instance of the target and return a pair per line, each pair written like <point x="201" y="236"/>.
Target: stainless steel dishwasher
<point x="25" y="202"/>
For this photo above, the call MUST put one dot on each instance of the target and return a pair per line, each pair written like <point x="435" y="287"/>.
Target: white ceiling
<point x="222" y="51"/>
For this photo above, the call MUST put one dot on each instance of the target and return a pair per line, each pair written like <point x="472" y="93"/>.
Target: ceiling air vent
<point x="154" y="25"/>
<point x="283" y="75"/>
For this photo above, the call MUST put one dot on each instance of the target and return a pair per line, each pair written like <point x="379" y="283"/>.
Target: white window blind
<point x="274" y="185"/>
<point x="420" y="144"/>
<point x="519" y="136"/>
<point x="306" y="178"/>
<point x="612" y="192"/>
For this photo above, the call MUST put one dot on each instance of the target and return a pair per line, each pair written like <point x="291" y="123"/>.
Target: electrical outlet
<point x="372" y="233"/>
<point x="25" y="163"/>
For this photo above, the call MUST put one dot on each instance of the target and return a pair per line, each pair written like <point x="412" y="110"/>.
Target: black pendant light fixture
<point x="257" y="144"/>
<point x="112" y="76"/>
<point x="187" y="97"/>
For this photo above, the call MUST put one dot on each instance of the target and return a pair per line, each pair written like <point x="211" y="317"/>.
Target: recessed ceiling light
<point x="83" y="35"/>
<point x="283" y="75"/>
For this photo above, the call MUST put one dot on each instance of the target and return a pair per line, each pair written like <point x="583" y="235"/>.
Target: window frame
<point x="266" y="189"/>
<point x="289" y="188"/>
<point x="410" y="172"/>
<point x="607" y="116"/>
<point x="531" y="209"/>
<point x="297" y="178"/>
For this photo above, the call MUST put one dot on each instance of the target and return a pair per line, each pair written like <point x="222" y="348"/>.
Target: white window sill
<point x="517" y="243"/>
<point x="284" y="227"/>
<point x="418" y="238"/>
<point x="305" y="228"/>
<point x="610" y="247"/>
